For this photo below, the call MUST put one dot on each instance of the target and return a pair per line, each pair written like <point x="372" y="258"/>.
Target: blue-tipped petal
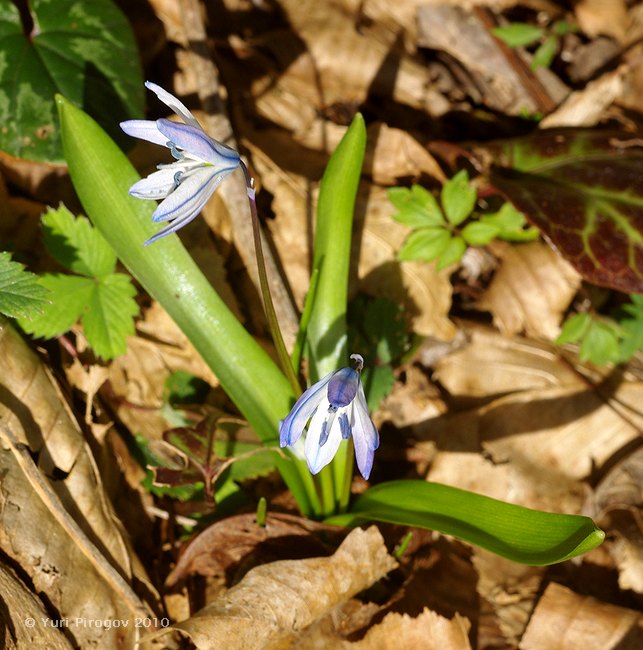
<point x="197" y="144"/>
<point x="319" y="455"/>
<point x="190" y="196"/>
<point x="365" y="436"/>
<point x="157" y="185"/>
<point x="292" y="427"/>
<point x="144" y="130"/>
<point x="172" y="102"/>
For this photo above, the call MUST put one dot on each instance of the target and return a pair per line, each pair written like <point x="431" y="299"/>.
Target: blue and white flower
<point x="201" y="163"/>
<point x="336" y="408"/>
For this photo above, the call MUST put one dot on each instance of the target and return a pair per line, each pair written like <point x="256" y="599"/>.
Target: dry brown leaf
<point x="617" y="506"/>
<point x="274" y="602"/>
<point x="87" y="380"/>
<point x="318" y="77"/>
<point x="597" y="17"/>
<point x="412" y="401"/>
<point x="564" y="620"/>
<point x="587" y="107"/>
<point x="226" y="542"/>
<point x="531" y="290"/>
<point x="490" y="78"/>
<point x="137" y="378"/>
<point x="428" y="631"/>
<point x="492" y="364"/>
<point x="24" y="622"/>
<point x="526" y="484"/>
<point x="510" y="589"/>
<point x="33" y="411"/>
<point x="392" y="154"/>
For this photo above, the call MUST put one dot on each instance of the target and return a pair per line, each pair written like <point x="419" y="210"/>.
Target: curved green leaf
<point x="519" y="534"/>
<point x="85" y="50"/>
<point x="327" y="326"/>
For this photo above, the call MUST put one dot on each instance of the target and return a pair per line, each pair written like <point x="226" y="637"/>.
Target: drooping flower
<point x="336" y="408"/>
<point x="201" y="163"/>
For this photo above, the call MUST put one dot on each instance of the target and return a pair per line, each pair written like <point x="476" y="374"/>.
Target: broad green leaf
<point x="584" y="190"/>
<point x="76" y="245"/>
<point x="85" y="50"/>
<point x="385" y="327"/>
<point x="518" y="34"/>
<point x="458" y="198"/>
<point x="417" y="207"/>
<point x="109" y="318"/>
<point x="21" y="296"/>
<point x="479" y="233"/>
<point x="545" y="54"/>
<point x="453" y="252"/>
<point x="574" y="329"/>
<point x="327" y="327"/>
<point x="69" y="296"/>
<point x="425" y="244"/>
<point x="517" y="533"/>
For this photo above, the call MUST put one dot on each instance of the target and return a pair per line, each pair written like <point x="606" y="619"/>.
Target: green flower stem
<point x="304" y="320"/>
<point x="269" y="308"/>
<point x="343" y="475"/>
<point x="325" y="481"/>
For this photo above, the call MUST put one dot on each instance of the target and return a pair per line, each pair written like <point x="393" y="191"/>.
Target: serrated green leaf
<point x="562" y="27"/>
<point x="600" y="344"/>
<point x="78" y="246"/>
<point x="85" y="50"/>
<point x="453" y="252"/>
<point x="109" y="318"/>
<point x="479" y="233"/>
<point x="574" y="329"/>
<point x="545" y="54"/>
<point x="425" y="244"/>
<point x="514" y="532"/>
<point x="518" y="34"/>
<point x="69" y="295"/>
<point x="417" y="207"/>
<point x="458" y="198"/>
<point x="21" y="296"/>
<point x="511" y="223"/>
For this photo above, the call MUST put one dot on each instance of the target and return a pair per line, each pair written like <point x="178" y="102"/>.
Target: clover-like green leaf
<point x="85" y="50"/>
<point x="458" y="198"/>
<point x="453" y="252"/>
<point x="417" y="207"/>
<point x="425" y="244"/>
<point x="21" y="296"/>
<point x="584" y="190"/>
<point x="479" y="233"/>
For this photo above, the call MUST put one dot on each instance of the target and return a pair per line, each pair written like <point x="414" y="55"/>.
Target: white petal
<point x="172" y="102"/>
<point x="318" y="457"/>
<point x="190" y="196"/>
<point x="365" y="436"/>
<point x="157" y="185"/>
<point x="145" y="130"/>
<point x="196" y="143"/>
<point x="291" y="428"/>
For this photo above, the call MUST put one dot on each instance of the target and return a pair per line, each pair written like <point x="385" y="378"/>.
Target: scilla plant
<point x="313" y="428"/>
